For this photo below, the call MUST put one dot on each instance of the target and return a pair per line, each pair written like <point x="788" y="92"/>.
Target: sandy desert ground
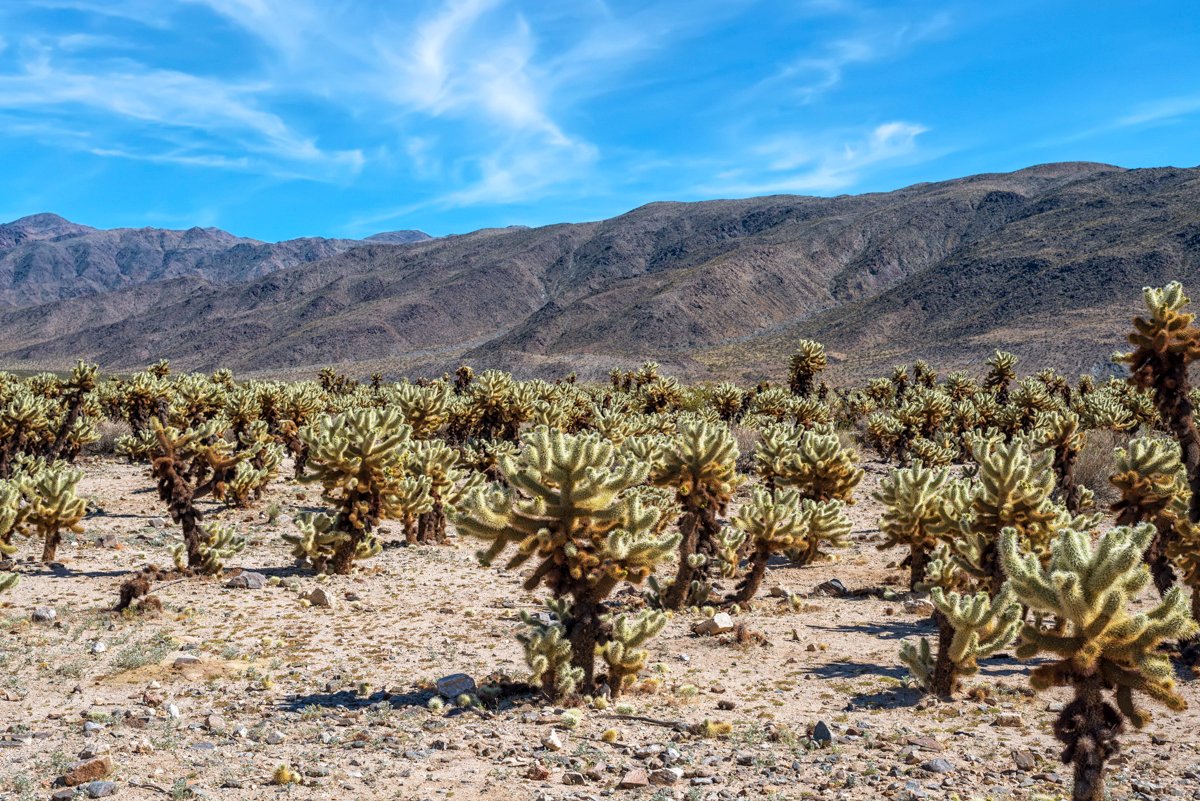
<point x="210" y="697"/>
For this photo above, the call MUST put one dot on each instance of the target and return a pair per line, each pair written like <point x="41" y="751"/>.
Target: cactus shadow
<point x="1005" y="665"/>
<point x="894" y="698"/>
<point x="849" y="669"/>
<point x="350" y="700"/>
<point x="890" y="630"/>
<point x="63" y="571"/>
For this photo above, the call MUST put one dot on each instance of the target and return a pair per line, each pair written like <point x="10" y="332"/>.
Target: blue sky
<point x="283" y="118"/>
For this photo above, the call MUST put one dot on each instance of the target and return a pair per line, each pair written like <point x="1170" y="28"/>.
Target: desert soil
<point x="208" y="698"/>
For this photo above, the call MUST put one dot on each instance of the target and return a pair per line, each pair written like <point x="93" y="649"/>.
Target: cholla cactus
<point x="218" y="544"/>
<point x="1013" y="490"/>
<point x="783" y="522"/>
<point x="1100" y="644"/>
<point x="188" y="465"/>
<point x="887" y="435"/>
<point x="701" y="466"/>
<point x="623" y="652"/>
<point x="425" y="409"/>
<point x="568" y="505"/>
<point x="807" y="363"/>
<point x="970" y="628"/>
<point x="53" y="507"/>
<point x="1165" y="344"/>
<point x="1060" y="432"/>
<point x="358" y="459"/>
<point x="76" y="388"/>
<point x="728" y="400"/>
<point x="548" y="650"/>
<point x="23" y="418"/>
<point x="438" y="462"/>
<point x="818" y="467"/>
<point x="1002" y="373"/>
<point x="914" y="514"/>
<point x="1154" y="489"/>
<point x="8" y="581"/>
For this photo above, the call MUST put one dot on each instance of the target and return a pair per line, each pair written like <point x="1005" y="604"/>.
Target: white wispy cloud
<point x="154" y="100"/>
<point x="813" y="73"/>
<point x="1167" y="109"/>
<point x="797" y="163"/>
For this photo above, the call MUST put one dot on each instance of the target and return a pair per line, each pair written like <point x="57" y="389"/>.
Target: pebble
<point x="665" y="777"/>
<point x="938" y="765"/>
<point x="44" y="614"/>
<point x="321" y="597"/>
<point x="552" y="741"/>
<point x="1024" y="759"/>
<point x="455" y="685"/>
<point x="719" y="623"/>
<point x="247" y="580"/>
<point x="87" y="770"/>
<point x="821" y="733"/>
<point x="100" y="789"/>
<point x="98" y="648"/>
<point x="1009" y="719"/>
<point x="573" y="777"/>
<point x="274" y="737"/>
<point x="634" y="779"/>
<point x="833" y="588"/>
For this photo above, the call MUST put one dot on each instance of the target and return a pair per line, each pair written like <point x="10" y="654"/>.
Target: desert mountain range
<point x="1047" y="262"/>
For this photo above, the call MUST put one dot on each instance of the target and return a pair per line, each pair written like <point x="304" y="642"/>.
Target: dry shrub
<point x="110" y="431"/>
<point x="747" y="441"/>
<point x="1096" y="463"/>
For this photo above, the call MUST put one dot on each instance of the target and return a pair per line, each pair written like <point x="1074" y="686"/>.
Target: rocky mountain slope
<point x="1047" y="261"/>
<point x="45" y="258"/>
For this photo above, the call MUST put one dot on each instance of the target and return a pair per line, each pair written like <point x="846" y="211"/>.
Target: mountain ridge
<point x="1047" y="261"/>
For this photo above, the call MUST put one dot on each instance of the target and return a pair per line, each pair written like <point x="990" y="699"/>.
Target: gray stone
<point x="455" y="685"/>
<point x="665" y="777"/>
<point x="185" y="660"/>
<point x="100" y="789"/>
<point x="573" y="777"/>
<point x="247" y="580"/>
<point x="821" y="733"/>
<point x="938" y="765"/>
<point x="44" y="614"/>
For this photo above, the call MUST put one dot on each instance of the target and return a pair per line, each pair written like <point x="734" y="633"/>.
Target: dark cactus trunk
<point x="1088" y="727"/>
<point x="676" y="594"/>
<point x="918" y="561"/>
<point x="1064" y="465"/>
<point x="753" y="579"/>
<point x="945" y="672"/>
